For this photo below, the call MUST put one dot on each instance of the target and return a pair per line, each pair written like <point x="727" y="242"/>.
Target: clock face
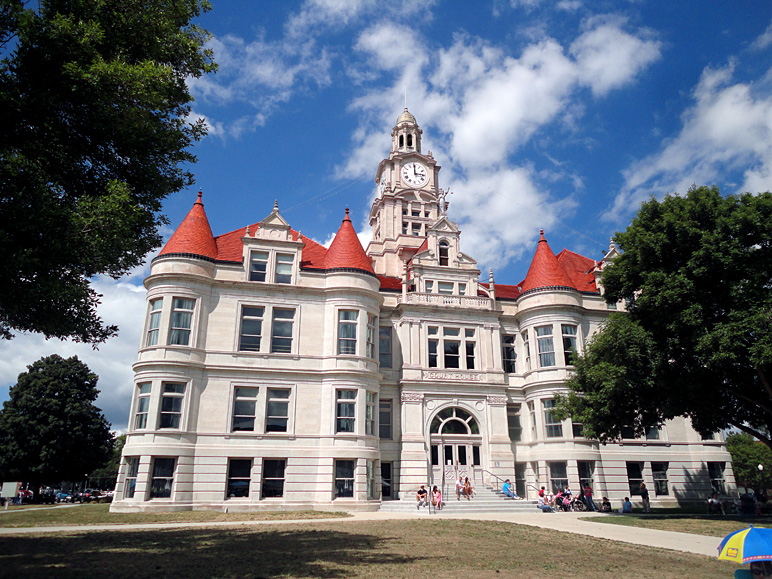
<point x="414" y="174"/>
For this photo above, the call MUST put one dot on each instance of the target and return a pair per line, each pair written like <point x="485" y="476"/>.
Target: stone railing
<point x="444" y="300"/>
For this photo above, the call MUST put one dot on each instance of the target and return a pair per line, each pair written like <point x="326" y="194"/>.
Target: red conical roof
<point x="345" y="251"/>
<point x="545" y="270"/>
<point x="193" y="235"/>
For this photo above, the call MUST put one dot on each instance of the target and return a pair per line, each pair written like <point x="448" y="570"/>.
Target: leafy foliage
<point x="50" y="429"/>
<point x="747" y="454"/>
<point x="696" y="276"/>
<point x="94" y="137"/>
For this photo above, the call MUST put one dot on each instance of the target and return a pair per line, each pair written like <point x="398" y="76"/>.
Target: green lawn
<point x="712" y="525"/>
<point x="99" y="514"/>
<point x="436" y="549"/>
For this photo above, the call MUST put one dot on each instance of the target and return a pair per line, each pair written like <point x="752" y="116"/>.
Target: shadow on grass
<point x="195" y="553"/>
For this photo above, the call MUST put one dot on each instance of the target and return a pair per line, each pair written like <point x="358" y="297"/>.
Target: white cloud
<point x="728" y="128"/>
<point x="764" y="40"/>
<point x="123" y="304"/>
<point x="608" y="57"/>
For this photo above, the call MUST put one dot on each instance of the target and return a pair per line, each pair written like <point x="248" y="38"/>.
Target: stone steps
<point x="485" y="501"/>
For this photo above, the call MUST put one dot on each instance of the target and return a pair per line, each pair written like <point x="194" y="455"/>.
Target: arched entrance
<point x="456" y="443"/>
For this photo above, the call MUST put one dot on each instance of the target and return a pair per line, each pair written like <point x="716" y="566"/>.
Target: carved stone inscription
<point x="460" y="376"/>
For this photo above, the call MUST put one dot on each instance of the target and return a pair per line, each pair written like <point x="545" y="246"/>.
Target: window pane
<point x="244" y="407"/>
<point x="384" y="347"/>
<point x="384" y="419"/>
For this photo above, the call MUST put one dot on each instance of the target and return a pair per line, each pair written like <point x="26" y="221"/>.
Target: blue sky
<point x="557" y="115"/>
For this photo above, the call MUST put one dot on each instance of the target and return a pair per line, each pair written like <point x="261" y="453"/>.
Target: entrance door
<point x="453" y="459"/>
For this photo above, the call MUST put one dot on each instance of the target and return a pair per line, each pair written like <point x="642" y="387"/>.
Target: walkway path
<point x="566" y="522"/>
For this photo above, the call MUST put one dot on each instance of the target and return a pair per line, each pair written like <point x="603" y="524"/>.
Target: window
<point x="384" y="419"/>
<point x="251" y="328"/>
<point x="527" y="348"/>
<point x="627" y="432"/>
<point x="386" y="480"/>
<point x="154" y="321"/>
<point x="244" y="401"/>
<point x="451" y="344"/>
<point x="344" y="479"/>
<point x="404" y="226"/>
<point x="372" y="323"/>
<point x="171" y="405"/>
<point x="273" y="478"/>
<point x="132" y="470"/>
<point x="283" y="268"/>
<point x="163" y="478"/>
<point x="347" y="331"/>
<point x="577" y="429"/>
<point x="429" y="285"/>
<point x="634" y="477"/>
<point x="239" y="477"/>
<point x="508" y="353"/>
<point x="454" y="421"/>
<point x="277" y="410"/>
<point x="716" y="473"/>
<point x="371" y="480"/>
<point x="281" y="330"/>
<point x="415" y="229"/>
<point x="569" y="344"/>
<point x="532" y="413"/>
<point x="345" y="411"/>
<point x="546" y="346"/>
<point x="384" y="346"/>
<point x="370" y="413"/>
<point x="182" y="316"/>
<point x="558" y="476"/>
<point x="258" y="265"/>
<point x="143" y="404"/>
<point x="444" y="250"/>
<point x="414" y="213"/>
<point x="652" y="433"/>
<point x="659" y="473"/>
<point x="513" y="422"/>
<point x="586" y="473"/>
<point x="554" y="427"/>
<point x="445" y="288"/>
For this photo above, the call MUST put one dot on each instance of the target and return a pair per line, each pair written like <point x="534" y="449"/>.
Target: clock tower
<point x="409" y="199"/>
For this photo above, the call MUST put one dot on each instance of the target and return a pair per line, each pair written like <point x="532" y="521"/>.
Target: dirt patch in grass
<point x="711" y="525"/>
<point x="409" y="549"/>
<point x="90" y="514"/>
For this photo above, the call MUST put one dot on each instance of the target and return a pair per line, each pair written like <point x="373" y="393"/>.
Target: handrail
<point x="498" y="478"/>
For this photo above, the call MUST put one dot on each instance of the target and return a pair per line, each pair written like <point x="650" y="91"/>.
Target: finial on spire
<point x="490" y="275"/>
<point x="200" y="194"/>
<point x="246" y="232"/>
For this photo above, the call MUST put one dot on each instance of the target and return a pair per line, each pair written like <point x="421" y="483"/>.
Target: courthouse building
<point x="275" y="373"/>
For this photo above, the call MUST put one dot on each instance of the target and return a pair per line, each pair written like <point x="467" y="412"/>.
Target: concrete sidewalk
<point x="566" y="522"/>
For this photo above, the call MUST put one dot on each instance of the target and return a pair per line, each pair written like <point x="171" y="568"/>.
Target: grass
<point x="412" y="549"/>
<point x="711" y="525"/>
<point x="99" y="514"/>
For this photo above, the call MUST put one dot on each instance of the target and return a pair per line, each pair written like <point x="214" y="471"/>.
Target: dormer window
<point x="444" y="249"/>
<point x="280" y="270"/>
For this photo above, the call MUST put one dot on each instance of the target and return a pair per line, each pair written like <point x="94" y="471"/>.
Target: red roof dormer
<point x="194" y="235"/>
<point x="346" y="251"/>
<point x="545" y="270"/>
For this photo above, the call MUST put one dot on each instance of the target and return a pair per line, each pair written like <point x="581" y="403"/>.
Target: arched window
<point x="401" y="141"/>
<point x="444" y="252"/>
<point x="454" y="421"/>
<point x="410" y="140"/>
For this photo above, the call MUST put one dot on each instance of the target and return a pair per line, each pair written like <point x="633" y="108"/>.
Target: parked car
<point x="64" y="496"/>
<point x="90" y="496"/>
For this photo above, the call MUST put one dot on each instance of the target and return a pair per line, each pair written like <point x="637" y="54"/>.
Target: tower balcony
<point x="445" y="300"/>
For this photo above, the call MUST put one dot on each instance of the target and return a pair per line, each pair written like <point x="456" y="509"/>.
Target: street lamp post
<point x="763" y="491"/>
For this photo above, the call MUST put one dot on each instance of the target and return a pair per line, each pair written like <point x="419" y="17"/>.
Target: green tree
<point x="747" y="454"/>
<point x="696" y="276"/>
<point x="95" y="135"/>
<point x="105" y="476"/>
<point x="50" y="429"/>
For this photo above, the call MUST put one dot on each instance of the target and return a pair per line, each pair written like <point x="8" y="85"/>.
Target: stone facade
<point x="277" y="374"/>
